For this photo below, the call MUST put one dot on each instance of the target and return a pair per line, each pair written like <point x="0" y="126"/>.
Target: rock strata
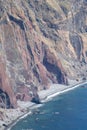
<point x="41" y="42"/>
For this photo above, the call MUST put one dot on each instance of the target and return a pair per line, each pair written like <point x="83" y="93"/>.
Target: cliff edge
<point x="41" y="42"/>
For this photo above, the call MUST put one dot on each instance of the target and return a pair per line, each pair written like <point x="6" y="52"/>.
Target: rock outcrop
<point x="41" y="42"/>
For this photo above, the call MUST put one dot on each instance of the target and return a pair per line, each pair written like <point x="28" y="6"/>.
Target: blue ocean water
<point x="65" y="112"/>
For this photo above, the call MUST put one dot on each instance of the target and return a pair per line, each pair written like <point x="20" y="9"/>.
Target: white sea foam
<point x="47" y="95"/>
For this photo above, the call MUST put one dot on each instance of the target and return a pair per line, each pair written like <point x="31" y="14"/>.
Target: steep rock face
<point x="26" y="59"/>
<point x="41" y="42"/>
<point x="75" y="38"/>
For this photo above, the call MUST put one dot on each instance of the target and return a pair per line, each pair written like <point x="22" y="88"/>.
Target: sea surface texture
<point x="64" y="112"/>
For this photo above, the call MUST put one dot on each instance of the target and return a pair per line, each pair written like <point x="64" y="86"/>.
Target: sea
<point x="67" y="111"/>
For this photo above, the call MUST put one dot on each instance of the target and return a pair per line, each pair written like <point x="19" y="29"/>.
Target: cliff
<point x="41" y="42"/>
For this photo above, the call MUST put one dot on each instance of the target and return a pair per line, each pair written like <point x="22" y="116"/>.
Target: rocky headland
<point x="42" y="42"/>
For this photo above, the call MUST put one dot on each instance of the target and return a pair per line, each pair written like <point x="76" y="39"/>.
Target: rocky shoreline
<point x="41" y="42"/>
<point x="25" y="108"/>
